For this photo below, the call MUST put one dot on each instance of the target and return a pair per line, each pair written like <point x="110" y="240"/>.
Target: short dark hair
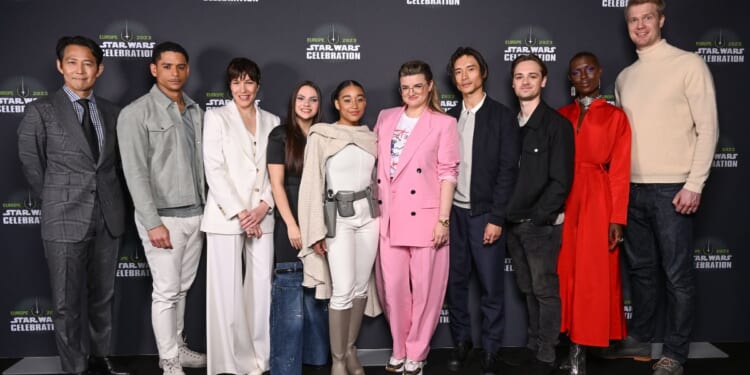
<point x="660" y="5"/>
<point x="240" y="67"/>
<point x="468" y="51"/>
<point x="530" y="57"/>
<point x="167" y="47"/>
<point x="585" y="54"/>
<point x="82" y="41"/>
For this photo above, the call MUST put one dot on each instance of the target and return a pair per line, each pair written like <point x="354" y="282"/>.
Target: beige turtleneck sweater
<point x="668" y="95"/>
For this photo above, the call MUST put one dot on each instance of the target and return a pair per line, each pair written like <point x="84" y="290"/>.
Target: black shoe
<point x="517" y="356"/>
<point x="490" y="364"/>
<point x="459" y="354"/>
<point x="537" y="367"/>
<point x="104" y="366"/>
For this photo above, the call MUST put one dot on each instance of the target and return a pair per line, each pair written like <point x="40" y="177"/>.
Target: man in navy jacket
<point x="489" y="143"/>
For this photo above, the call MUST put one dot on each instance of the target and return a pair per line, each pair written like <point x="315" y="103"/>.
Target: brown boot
<point x="352" y="362"/>
<point x="338" y="326"/>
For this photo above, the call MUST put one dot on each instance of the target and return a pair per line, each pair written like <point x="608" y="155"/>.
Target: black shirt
<point x="276" y="154"/>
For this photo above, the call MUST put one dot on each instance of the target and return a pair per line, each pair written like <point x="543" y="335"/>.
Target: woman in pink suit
<point x="416" y="175"/>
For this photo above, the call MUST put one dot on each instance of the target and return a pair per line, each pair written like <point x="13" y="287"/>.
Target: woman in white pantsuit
<point x="238" y="222"/>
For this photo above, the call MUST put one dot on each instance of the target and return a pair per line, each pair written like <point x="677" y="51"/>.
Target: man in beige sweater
<point x="668" y="95"/>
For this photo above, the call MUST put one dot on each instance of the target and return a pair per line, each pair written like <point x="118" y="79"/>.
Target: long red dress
<point x="590" y="287"/>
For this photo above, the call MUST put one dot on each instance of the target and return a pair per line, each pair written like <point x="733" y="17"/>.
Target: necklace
<point x="586" y="101"/>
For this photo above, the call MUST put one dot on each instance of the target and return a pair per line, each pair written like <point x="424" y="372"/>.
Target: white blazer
<point x="236" y="179"/>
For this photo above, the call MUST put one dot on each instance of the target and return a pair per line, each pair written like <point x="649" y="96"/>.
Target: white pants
<point x="173" y="271"/>
<point x="238" y="312"/>
<point x="351" y="255"/>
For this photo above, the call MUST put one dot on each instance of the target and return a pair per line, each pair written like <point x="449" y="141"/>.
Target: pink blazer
<point x="410" y="201"/>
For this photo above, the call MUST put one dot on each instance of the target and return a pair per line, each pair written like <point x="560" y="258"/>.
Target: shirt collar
<point x="162" y="99"/>
<point x="476" y="107"/>
<point x="73" y="97"/>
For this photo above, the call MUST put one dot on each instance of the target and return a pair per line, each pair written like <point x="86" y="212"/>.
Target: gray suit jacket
<point x="62" y="172"/>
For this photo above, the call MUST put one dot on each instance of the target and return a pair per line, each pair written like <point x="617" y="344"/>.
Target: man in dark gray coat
<point x="68" y="148"/>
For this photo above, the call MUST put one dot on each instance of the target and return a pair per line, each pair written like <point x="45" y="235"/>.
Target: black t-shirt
<point x="276" y="154"/>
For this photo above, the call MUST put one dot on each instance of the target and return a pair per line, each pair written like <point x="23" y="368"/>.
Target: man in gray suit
<point x="68" y="148"/>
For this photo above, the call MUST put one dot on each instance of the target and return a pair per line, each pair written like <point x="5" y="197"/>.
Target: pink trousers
<point x="411" y="282"/>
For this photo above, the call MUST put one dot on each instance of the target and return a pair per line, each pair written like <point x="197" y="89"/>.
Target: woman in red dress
<point x="595" y="213"/>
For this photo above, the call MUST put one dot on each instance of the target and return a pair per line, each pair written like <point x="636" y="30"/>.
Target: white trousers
<point x="351" y="256"/>
<point x="172" y="271"/>
<point x="238" y="309"/>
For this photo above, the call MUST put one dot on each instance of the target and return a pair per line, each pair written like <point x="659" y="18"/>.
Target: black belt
<point x="286" y="270"/>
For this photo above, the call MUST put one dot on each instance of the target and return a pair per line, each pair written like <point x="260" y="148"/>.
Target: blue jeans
<point x="534" y="250"/>
<point x="659" y="238"/>
<point x="299" y="322"/>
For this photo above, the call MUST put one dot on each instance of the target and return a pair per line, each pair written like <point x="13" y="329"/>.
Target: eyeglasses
<point x="418" y="88"/>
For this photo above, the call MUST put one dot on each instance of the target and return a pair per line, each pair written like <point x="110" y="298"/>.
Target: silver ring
<point x="621" y="240"/>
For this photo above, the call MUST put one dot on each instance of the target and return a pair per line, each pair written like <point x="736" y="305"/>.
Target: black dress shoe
<point x="459" y="354"/>
<point x="518" y="356"/>
<point x="537" y="367"/>
<point x="104" y="366"/>
<point x="490" y="364"/>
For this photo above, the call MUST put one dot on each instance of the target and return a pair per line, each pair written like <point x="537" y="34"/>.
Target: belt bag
<point x="342" y="203"/>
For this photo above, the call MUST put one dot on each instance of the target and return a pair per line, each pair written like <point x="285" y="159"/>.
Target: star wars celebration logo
<point x="614" y="3"/>
<point x="721" y="46"/>
<point x="16" y="92"/>
<point x="333" y="42"/>
<point x="448" y="101"/>
<point x="712" y="254"/>
<point x="627" y="308"/>
<point x="726" y="156"/>
<point x="32" y="315"/>
<point x="21" y="209"/>
<point x="445" y="318"/>
<point x="608" y="93"/>
<point x="126" y="39"/>
<point x="133" y="265"/>
<point x="216" y="99"/>
<point x="434" y="3"/>
<point x="528" y="40"/>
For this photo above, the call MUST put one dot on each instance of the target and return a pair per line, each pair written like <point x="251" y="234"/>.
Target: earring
<point x="572" y="91"/>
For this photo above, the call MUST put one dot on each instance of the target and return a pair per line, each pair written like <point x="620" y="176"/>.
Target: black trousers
<point x="534" y="250"/>
<point x="77" y="271"/>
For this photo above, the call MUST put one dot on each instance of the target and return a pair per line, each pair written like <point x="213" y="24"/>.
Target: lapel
<point x="538" y="116"/>
<point x="238" y="130"/>
<point x="69" y="122"/>
<point x="384" y="141"/>
<point x="418" y="135"/>
<point x="262" y="128"/>
<point x="108" y="123"/>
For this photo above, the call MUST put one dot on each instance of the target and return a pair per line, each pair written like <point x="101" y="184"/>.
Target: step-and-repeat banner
<point x="327" y="41"/>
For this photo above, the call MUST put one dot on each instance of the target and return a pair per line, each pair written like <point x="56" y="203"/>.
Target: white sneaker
<point x="171" y="366"/>
<point x="190" y="358"/>
<point x="414" y="367"/>
<point x="395" y="365"/>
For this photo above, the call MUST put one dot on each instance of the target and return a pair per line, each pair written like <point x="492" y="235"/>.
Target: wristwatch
<point x="444" y="222"/>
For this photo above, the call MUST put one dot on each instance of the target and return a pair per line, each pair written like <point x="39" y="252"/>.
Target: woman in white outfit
<point x="338" y="168"/>
<point x="238" y="222"/>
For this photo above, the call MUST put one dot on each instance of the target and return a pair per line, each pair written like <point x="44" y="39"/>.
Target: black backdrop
<point x="328" y="41"/>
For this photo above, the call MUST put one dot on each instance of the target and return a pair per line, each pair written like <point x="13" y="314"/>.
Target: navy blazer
<point x="495" y="151"/>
